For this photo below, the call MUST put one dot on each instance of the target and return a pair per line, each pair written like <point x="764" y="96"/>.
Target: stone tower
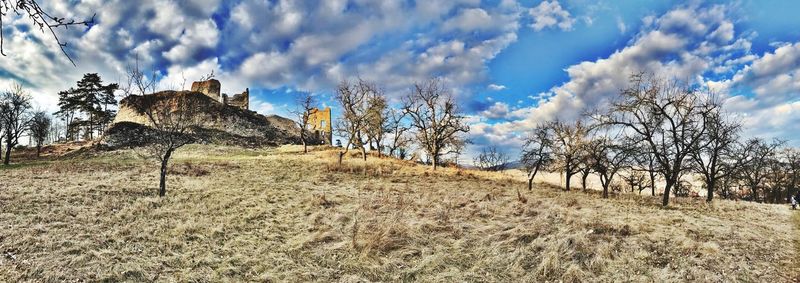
<point x="211" y="88"/>
<point x="320" y="121"/>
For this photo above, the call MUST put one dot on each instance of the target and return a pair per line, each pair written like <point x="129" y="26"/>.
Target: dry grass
<point x="275" y="215"/>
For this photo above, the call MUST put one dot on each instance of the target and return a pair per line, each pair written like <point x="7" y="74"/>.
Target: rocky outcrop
<point x="220" y="123"/>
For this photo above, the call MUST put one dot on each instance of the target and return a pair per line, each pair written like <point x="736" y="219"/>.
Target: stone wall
<point x="211" y="88"/>
<point x="241" y="100"/>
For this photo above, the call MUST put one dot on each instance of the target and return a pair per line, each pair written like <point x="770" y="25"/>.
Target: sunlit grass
<point x="234" y="214"/>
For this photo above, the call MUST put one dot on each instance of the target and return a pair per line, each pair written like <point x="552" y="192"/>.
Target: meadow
<point x="275" y="215"/>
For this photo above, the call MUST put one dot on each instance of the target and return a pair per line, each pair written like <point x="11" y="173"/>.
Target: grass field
<point x="277" y="215"/>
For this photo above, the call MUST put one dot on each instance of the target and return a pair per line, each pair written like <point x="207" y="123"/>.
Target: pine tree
<point x="87" y="106"/>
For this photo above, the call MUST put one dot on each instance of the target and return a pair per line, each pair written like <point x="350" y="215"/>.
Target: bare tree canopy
<point x="759" y="156"/>
<point x="398" y="130"/>
<point x="713" y="158"/>
<point x="436" y="118"/>
<point x="491" y="159"/>
<point x="377" y="120"/>
<point x="607" y="156"/>
<point x="568" y="142"/>
<point x="40" y="18"/>
<point x="354" y="98"/>
<point x="304" y="104"/>
<point x="40" y="129"/>
<point x="15" y="117"/>
<point x="537" y="153"/>
<point x="666" y="117"/>
<point x="139" y="82"/>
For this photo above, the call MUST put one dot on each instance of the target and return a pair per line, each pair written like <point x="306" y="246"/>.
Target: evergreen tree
<point x="87" y="107"/>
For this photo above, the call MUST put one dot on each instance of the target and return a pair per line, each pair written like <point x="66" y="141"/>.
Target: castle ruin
<point x="319" y="122"/>
<point x="212" y="88"/>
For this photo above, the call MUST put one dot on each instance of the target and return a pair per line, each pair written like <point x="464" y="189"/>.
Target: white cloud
<point x="262" y="107"/>
<point x="549" y="14"/>
<point x="497" y="111"/>
<point x="621" y="25"/>
<point x="468" y="20"/>
<point x="496" y="87"/>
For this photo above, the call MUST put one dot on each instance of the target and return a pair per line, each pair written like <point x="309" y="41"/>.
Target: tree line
<point x="84" y="113"/>
<point x="658" y="135"/>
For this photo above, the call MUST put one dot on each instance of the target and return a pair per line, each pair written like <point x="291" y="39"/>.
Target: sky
<point x="510" y="64"/>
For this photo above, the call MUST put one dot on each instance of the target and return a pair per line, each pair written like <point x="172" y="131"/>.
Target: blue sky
<point x="511" y="64"/>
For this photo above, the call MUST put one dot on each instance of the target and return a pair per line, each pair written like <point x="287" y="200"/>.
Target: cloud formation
<point x="688" y="43"/>
<point x="550" y="14"/>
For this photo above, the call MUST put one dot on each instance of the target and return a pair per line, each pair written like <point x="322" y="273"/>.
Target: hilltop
<point x="221" y="123"/>
<point x="279" y="215"/>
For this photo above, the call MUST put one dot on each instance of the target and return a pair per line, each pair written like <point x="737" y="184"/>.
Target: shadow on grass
<point x="14" y="166"/>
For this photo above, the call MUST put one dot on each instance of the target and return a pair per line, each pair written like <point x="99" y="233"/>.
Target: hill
<point x="221" y="124"/>
<point x="234" y="214"/>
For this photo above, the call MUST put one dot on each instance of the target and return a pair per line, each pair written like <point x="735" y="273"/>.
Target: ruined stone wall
<point x="320" y="123"/>
<point x="241" y="100"/>
<point x="211" y="88"/>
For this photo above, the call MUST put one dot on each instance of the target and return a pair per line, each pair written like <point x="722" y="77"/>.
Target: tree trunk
<point x="754" y="193"/>
<point x="364" y="152"/>
<point x="341" y="155"/>
<point x="652" y="183"/>
<point x="7" y="159"/>
<point x="583" y="180"/>
<point x="566" y="186"/>
<point x="162" y="191"/>
<point x="435" y="162"/>
<point x="38" y="150"/>
<point x="667" y="188"/>
<point x="530" y="183"/>
<point x="711" y="184"/>
<point x="303" y="139"/>
<point x="605" y="190"/>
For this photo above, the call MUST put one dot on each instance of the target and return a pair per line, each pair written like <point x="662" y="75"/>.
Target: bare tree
<point x="791" y="160"/>
<point x="39" y="129"/>
<point x="759" y="156"/>
<point x="305" y="104"/>
<point x="377" y="120"/>
<point x="712" y="158"/>
<point x="666" y="118"/>
<point x="436" y="118"/>
<point x="568" y="142"/>
<point x="398" y="130"/>
<point x="40" y="18"/>
<point x="537" y="152"/>
<point x="15" y="117"/>
<point x="491" y="159"/>
<point x="173" y="122"/>
<point x="353" y="97"/>
<point x="608" y="156"/>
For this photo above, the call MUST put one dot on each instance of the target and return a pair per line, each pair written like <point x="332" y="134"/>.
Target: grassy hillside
<point x="278" y="215"/>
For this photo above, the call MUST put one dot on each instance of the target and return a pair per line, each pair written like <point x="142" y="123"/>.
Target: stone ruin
<point x="212" y="88"/>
